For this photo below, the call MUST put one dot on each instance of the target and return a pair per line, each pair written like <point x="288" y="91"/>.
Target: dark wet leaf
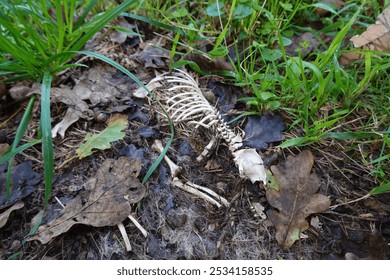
<point x="148" y="132"/>
<point x="259" y="131"/>
<point x="296" y="198"/>
<point x="225" y="95"/>
<point x="138" y="115"/>
<point x="136" y="153"/>
<point x="106" y="201"/>
<point x="185" y="148"/>
<point x="209" y="64"/>
<point x="23" y="182"/>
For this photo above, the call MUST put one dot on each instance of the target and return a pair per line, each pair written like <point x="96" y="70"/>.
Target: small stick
<point x="349" y="202"/>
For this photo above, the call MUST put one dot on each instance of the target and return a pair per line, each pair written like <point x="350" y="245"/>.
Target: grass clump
<point x="38" y="40"/>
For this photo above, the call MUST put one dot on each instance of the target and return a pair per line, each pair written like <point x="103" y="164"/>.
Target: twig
<point x="349" y="202"/>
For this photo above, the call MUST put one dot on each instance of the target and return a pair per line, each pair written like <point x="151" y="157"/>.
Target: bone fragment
<point x="175" y="169"/>
<point x="124" y="236"/>
<point x="138" y="225"/>
<point x="178" y="183"/>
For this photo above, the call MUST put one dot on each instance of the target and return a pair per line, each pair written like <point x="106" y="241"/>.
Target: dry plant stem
<point x="349" y="202"/>
<point x="138" y="225"/>
<point x="124" y="236"/>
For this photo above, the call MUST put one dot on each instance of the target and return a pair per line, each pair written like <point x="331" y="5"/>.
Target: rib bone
<point x="185" y="103"/>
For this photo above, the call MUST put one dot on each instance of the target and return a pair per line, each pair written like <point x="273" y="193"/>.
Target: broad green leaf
<point x="182" y="12"/>
<point x="102" y="140"/>
<point x="242" y="11"/>
<point x="214" y="10"/>
<point x="271" y="55"/>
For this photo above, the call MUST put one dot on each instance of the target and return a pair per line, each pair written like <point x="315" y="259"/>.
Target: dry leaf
<point x="5" y="215"/>
<point x="118" y="36"/>
<point x="207" y="64"/>
<point x="296" y="199"/>
<point x="376" y="37"/>
<point x="106" y="200"/>
<point x="93" y="86"/>
<point x="3" y="148"/>
<point x="151" y="54"/>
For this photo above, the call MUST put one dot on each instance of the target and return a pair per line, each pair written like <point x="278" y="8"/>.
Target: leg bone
<point x="175" y="169"/>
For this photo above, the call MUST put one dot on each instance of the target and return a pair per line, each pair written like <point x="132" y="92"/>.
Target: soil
<point x="181" y="225"/>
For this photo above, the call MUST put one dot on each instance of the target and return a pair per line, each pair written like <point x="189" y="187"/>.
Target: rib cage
<point x="185" y="103"/>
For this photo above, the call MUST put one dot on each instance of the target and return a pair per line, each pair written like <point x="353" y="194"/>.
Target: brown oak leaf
<point x="296" y="198"/>
<point x="106" y="201"/>
<point x="376" y="37"/>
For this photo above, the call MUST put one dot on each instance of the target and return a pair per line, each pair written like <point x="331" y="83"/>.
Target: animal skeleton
<point x="185" y="103"/>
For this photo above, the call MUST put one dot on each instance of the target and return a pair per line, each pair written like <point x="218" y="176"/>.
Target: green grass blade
<point x="85" y="13"/>
<point x="11" y="153"/>
<point x="385" y="187"/>
<point x="18" y="137"/>
<point x="101" y="22"/>
<point x="47" y="141"/>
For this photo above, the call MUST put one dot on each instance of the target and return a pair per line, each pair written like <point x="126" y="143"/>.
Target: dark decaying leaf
<point x="259" y="131"/>
<point x="136" y="153"/>
<point x="23" y="182"/>
<point x="152" y="55"/>
<point x="225" y="95"/>
<point x="209" y="65"/>
<point x="148" y="132"/>
<point x="296" y="198"/>
<point x="106" y="201"/>
<point x="302" y="45"/>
